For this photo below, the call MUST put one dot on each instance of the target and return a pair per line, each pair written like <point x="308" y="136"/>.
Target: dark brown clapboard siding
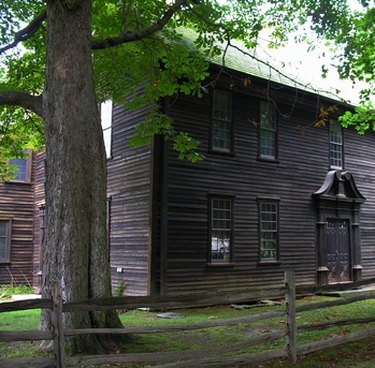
<point x="16" y="203"/>
<point x="360" y="160"/>
<point x="129" y="187"/>
<point x="300" y="171"/>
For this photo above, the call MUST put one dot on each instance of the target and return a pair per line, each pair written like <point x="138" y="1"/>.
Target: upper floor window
<point x="222" y="128"/>
<point x="269" y="230"/>
<point x="335" y="145"/>
<point x="106" y="118"/>
<point x="5" y="234"/>
<point x="268" y="131"/>
<point x="221" y="229"/>
<point x="22" y="168"/>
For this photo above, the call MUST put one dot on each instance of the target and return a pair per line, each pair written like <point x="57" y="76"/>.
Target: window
<point x="269" y="230"/>
<point x="5" y="233"/>
<point x="335" y="145"/>
<point x="106" y="118"/>
<point x="221" y="131"/>
<point x="22" y="168"/>
<point x="221" y="229"/>
<point x="268" y="131"/>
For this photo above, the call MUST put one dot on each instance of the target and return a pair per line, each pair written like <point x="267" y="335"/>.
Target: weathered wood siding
<point x="129" y="190"/>
<point x="303" y="161"/>
<point x="16" y="203"/>
<point x="129" y="186"/>
<point x="360" y="160"/>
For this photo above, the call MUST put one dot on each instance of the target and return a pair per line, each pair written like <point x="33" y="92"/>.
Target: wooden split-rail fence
<point x="208" y="357"/>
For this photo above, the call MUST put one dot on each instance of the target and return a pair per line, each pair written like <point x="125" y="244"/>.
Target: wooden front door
<point x="338" y="250"/>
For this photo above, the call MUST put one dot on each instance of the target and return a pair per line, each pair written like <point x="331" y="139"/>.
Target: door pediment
<point x="339" y="186"/>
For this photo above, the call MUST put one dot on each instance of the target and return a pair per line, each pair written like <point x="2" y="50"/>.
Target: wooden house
<point x="16" y="224"/>
<point x="272" y="193"/>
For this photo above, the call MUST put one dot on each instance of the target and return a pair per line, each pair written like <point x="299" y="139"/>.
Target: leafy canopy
<point x="162" y="63"/>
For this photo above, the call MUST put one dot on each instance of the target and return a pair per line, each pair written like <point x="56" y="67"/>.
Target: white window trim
<point x="341" y="145"/>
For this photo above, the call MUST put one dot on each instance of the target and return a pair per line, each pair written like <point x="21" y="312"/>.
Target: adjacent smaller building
<point x="16" y="224"/>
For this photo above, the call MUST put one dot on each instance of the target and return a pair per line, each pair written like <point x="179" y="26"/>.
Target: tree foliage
<point x="353" y="39"/>
<point x="159" y="60"/>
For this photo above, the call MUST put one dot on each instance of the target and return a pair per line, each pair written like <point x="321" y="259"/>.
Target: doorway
<point x="338" y="250"/>
<point x="338" y="240"/>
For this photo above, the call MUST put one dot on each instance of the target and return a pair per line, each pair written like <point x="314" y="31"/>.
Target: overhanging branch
<point x="27" y="32"/>
<point x="23" y="99"/>
<point x="136" y="36"/>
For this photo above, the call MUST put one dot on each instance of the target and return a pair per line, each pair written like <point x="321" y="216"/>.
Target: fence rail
<point x="180" y="359"/>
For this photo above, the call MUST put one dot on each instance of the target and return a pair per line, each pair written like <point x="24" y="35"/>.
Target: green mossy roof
<point x="261" y="64"/>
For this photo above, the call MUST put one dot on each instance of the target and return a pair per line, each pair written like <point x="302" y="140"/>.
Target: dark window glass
<point x="4" y="240"/>
<point x="335" y="145"/>
<point x="21" y="172"/>
<point x="222" y="121"/>
<point x="269" y="231"/>
<point x="268" y="130"/>
<point x="221" y="229"/>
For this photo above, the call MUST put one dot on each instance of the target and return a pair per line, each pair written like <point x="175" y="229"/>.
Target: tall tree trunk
<point x="77" y="252"/>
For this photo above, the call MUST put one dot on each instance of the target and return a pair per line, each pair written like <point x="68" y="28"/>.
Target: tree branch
<point x="27" y="32"/>
<point x="136" y="36"/>
<point x="23" y="99"/>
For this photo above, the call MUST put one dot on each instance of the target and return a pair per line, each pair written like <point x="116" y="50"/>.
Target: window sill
<point x="268" y="159"/>
<point x="333" y="167"/>
<point x="223" y="153"/>
<point x="5" y="263"/>
<point x="268" y="263"/>
<point x="28" y="182"/>
<point x="220" y="264"/>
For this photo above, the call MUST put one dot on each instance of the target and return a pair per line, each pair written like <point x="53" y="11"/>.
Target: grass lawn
<point x="20" y="320"/>
<point x="359" y="354"/>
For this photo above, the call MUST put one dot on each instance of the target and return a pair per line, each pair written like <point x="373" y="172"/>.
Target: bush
<point x="119" y="289"/>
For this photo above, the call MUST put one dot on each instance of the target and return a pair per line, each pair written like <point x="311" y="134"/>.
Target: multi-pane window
<point x="4" y="240"/>
<point x="269" y="230"/>
<point x="106" y="118"/>
<point x="21" y="167"/>
<point x="221" y="133"/>
<point x="221" y="229"/>
<point x="335" y="145"/>
<point x="268" y="130"/>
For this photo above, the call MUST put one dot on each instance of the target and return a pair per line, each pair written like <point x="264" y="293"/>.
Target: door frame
<point x="338" y="198"/>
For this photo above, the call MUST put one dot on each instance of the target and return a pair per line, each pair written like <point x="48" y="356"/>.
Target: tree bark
<point x="76" y="252"/>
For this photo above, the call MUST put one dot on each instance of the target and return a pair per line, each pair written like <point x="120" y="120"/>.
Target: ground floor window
<point x="268" y="230"/>
<point x="220" y="229"/>
<point x="5" y="230"/>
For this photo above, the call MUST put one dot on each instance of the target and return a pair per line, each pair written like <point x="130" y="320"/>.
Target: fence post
<point x="56" y="318"/>
<point x="290" y="311"/>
